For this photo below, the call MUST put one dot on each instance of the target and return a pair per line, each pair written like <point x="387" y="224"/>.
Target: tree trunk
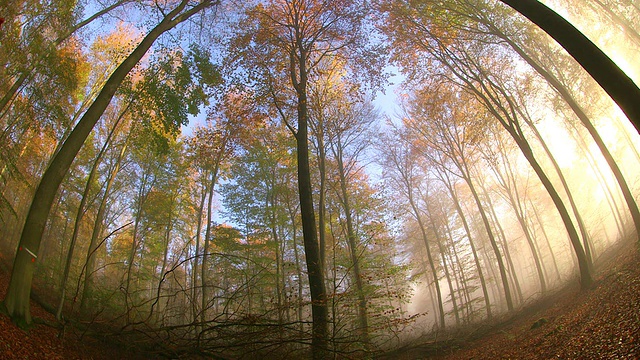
<point x="425" y="240"/>
<point x="503" y="240"/>
<point x="194" y="280"/>
<point x="494" y="245"/>
<point x="79" y="216"/>
<point x="351" y="240"/>
<point x="207" y="238"/>
<point x="445" y="268"/>
<point x="585" y="274"/>
<point x="584" y="119"/>
<point x="476" y="259"/>
<point x="322" y="196"/>
<point x="315" y="271"/>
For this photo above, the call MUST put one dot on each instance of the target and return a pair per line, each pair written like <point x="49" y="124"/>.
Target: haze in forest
<point x="295" y="178"/>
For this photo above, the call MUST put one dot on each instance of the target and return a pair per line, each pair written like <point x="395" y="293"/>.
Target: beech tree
<point x="454" y="134"/>
<point x="284" y="44"/>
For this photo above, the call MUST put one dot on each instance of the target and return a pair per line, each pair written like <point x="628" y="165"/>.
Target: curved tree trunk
<point x="611" y="78"/>
<point x="584" y="119"/>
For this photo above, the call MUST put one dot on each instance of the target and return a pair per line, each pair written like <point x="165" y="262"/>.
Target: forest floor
<point x="600" y="323"/>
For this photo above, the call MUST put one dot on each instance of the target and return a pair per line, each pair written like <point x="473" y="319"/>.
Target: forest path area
<point x="601" y="323"/>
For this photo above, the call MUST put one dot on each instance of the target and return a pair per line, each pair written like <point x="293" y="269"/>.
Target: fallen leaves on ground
<point x="600" y="323"/>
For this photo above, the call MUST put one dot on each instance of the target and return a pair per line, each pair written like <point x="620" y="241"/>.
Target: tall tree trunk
<point x="611" y="199"/>
<point x="465" y="224"/>
<point x="445" y="268"/>
<point x="194" y="279"/>
<point x="353" y="248"/>
<point x="585" y="273"/>
<point x="586" y="122"/>
<point x="460" y="275"/>
<point x="322" y="159"/>
<point x="488" y="94"/>
<point x="142" y="196"/>
<point x="508" y="182"/>
<point x="492" y="241"/>
<point x="315" y="272"/>
<point x="503" y="240"/>
<point x="16" y="300"/>
<point x="574" y="208"/>
<point x="207" y="238"/>
<point x="271" y="206"/>
<point x="434" y="272"/>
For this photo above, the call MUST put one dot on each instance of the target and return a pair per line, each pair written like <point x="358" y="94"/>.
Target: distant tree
<point x="466" y="67"/>
<point x="454" y="135"/>
<point x="403" y="173"/>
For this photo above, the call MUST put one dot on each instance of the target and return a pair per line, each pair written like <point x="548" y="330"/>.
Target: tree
<point x="347" y="141"/>
<point x="444" y="121"/>
<point x="465" y="65"/>
<point x="287" y="40"/>
<point x="213" y="145"/>
<point x="16" y="301"/>
<point x="531" y="49"/>
<point x="402" y="172"/>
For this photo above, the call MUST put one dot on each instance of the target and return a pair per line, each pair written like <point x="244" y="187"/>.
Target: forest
<point x="326" y="179"/>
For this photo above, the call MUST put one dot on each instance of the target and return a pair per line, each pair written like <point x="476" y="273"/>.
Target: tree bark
<point x="319" y="308"/>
